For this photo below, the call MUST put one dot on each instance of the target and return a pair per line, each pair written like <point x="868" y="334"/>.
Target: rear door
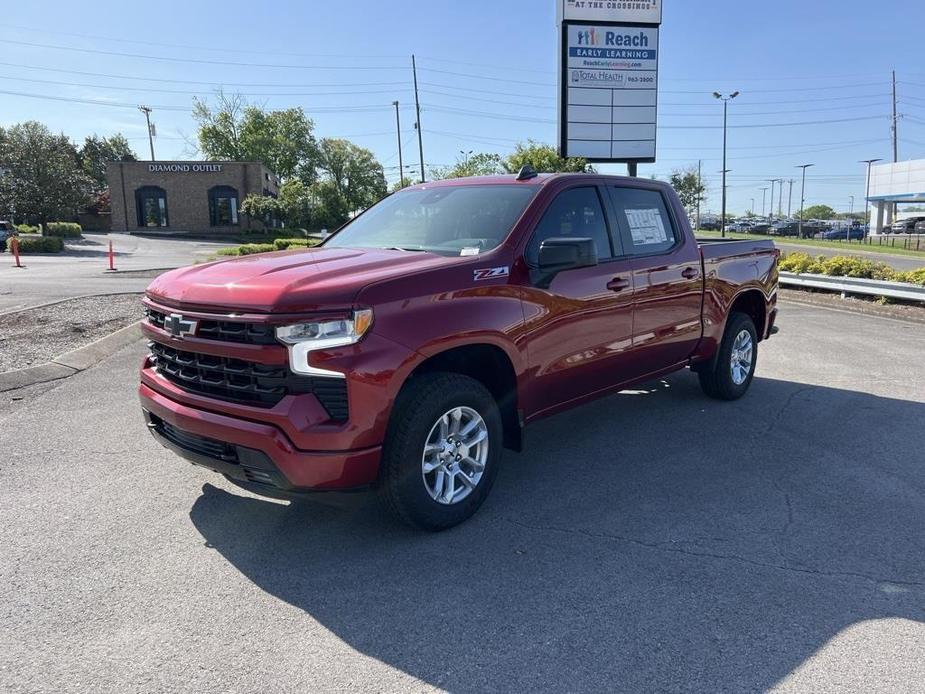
<point x="579" y="327"/>
<point x="667" y="281"/>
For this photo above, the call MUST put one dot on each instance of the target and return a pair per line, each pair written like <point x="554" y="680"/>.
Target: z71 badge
<point x="490" y="273"/>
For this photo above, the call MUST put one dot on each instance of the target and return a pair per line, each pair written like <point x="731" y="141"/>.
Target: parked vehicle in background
<point x="905" y="226"/>
<point x="415" y="343"/>
<point x="853" y="233"/>
<point x="741" y="227"/>
<point x="920" y="227"/>
<point x="6" y="231"/>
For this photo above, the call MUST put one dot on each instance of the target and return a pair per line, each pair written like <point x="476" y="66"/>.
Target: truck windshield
<point x="448" y="220"/>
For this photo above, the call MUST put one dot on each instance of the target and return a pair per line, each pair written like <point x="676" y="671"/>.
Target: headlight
<point x="304" y="338"/>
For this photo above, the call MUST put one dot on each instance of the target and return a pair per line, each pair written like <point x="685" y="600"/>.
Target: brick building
<point x="194" y="197"/>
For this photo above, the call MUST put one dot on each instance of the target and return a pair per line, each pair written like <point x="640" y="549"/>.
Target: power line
<point x="203" y="61"/>
<point x="196" y="92"/>
<point x="212" y="83"/>
<point x="197" y="46"/>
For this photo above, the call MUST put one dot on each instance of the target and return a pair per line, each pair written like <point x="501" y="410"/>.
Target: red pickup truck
<point x="406" y="351"/>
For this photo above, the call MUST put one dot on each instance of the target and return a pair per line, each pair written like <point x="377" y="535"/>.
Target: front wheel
<point x="442" y="451"/>
<point x="731" y="373"/>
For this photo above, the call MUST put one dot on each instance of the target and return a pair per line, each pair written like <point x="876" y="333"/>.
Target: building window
<point x="151" y="204"/>
<point x="223" y="206"/>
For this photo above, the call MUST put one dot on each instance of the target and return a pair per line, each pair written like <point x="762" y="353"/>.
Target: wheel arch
<point x="489" y="364"/>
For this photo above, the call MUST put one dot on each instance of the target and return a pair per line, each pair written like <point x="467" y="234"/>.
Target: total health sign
<point x="608" y="79"/>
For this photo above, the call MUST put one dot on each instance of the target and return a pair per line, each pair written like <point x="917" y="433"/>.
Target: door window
<point x="645" y="219"/>
<point x="574" y="213"/>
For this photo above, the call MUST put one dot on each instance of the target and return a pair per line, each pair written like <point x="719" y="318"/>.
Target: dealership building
<point x="192" y="197"/>
<point x="892" y="185"/>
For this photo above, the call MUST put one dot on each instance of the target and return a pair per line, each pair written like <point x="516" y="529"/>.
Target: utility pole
<point x="803" y="195"/>
<point x="417" y="108"/>
<point x="752" y="208"/>
<point x="699" y="190"/>
<point x="850" y="218"/>
<point x="780" y="198"/>
<point x="772" y="181"/>
<point x="401" y="165"/>
<point x="894" y="128"/>
<point x="764" y="193"/>
<point x="725" y="100"/>
<point x="790" y="199"/>
<point x="147" y="111"/>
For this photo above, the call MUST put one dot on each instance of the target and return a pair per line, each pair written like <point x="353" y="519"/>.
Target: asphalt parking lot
<point x="652" y="541"/>
<point x="82" y="268"/>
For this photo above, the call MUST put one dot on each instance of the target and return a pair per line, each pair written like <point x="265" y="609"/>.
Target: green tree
<point x="819" y="212"/>
<point x="480" y="164"/>
<point x="544" y="159"/>
<point x="43" y="178"/>
<point x="689" y="187"/>
<point x="352" y="179"/>
<point x="96" y="151"/>
<point x="234" y="129"/>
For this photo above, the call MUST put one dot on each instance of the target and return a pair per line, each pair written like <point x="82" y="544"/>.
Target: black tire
<point x="716" y="379"/>
<point x="420" y="404"/>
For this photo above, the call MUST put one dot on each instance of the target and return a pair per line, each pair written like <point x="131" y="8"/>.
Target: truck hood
<point x="288" y="281"/>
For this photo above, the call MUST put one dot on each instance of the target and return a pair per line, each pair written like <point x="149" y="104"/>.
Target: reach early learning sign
<point x="608" y="89"/>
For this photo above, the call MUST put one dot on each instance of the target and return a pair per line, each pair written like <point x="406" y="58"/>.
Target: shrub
<point x="40" y="244"/>
<point x="66" y="230"/>
<point x="284" y="244"/>
<point x="799" y="262"/>
<point x="912" y="276"/>
<point x="847" y="266"/>
<point x="27" y="229"/>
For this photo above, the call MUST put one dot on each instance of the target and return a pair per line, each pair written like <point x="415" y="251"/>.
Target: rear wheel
<point x="734" y="367"/>
<point x="442" y="451"/>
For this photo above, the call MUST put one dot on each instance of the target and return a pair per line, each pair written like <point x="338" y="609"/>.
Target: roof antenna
<point x="526" y="173"/>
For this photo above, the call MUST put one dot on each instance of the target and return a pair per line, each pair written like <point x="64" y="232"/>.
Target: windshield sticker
<point x="470" y="251"/>
<point x="490" y="273"/>
<point x="646" y="226"/>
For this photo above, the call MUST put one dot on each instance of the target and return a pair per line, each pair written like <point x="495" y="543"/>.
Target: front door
<point x="578" y="328"/>
<point x="667" y="281"/>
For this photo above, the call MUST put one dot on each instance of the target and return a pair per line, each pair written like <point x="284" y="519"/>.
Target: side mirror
<point x="563" y="253"/>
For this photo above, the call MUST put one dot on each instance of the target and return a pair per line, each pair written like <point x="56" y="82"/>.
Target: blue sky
<point x="487" y="73"/>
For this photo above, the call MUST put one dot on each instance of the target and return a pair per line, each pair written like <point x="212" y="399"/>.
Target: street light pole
<point x="764" y="193"/>
<point x="401" y="165"/>
<point x="466" y="156"/>
<point x="803" y="195"/>
<point x="147" y="111"/>
<point x="725" y="100"/>
<point x="869" y="162"/>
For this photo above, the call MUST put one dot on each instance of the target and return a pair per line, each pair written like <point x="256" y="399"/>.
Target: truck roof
<point x="508" y="179"/>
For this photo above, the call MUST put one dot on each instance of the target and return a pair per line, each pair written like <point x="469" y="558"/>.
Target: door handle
<point x="690" y="273"/>
<point x="618" y="284"/>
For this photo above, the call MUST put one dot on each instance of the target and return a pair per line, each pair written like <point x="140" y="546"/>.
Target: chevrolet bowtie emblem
<point x="178" y="326"/>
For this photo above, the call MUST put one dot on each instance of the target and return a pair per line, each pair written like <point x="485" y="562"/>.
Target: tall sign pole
<point x="608" y="80"/>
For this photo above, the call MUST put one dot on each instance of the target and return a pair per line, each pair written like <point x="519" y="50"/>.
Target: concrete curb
<point x="14" y="311"/>
<point x="71" y="362"/>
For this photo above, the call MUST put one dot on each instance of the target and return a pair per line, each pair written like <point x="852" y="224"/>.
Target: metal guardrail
<point x="854" y="285"/>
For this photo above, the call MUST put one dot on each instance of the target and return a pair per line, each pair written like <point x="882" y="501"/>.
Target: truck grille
<point x="223" y="330"/>
<point x="245" y="382"/>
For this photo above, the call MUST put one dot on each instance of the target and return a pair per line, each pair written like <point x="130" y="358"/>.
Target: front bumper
<point x="259" y="455"/>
